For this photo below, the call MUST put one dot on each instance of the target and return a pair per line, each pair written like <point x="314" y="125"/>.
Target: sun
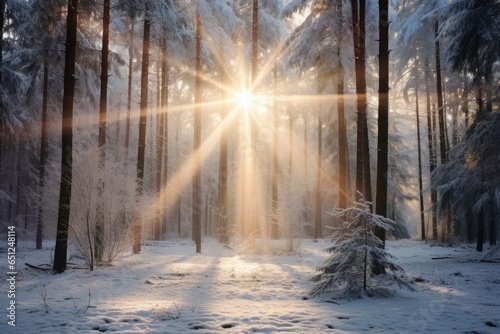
<point x="245" y="99"/>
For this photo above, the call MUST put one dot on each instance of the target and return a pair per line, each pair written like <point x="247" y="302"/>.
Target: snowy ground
<point x="170" y="289"/>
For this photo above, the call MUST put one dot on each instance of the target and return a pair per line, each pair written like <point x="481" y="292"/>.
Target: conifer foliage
<point x="355" y="248"/>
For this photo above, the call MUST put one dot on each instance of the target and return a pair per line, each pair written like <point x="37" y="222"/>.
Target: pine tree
<point x="142" y="124"/>
<point x="67" y="141"/>
<point x="355" y="248"/>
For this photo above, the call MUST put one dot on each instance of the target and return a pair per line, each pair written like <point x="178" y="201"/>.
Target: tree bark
<point x="493" y="223"/>
<point x="318" y="227"/>
<point x="252" y="206"/>
<point x="274" y="224"/>
<point x="61" y="246"/>
<point x="432" y="151"/>
<point x="222" y="194"/>
<point x="143" y="105"/>
<point x="420" y="183"/>
<point x="465" y="101"/>
<point x="2" y="23"/>
<point x="99" y="228"/>
<point x="197" y="141"/>
<point x="129" y="90"/>
<point x="383" y="116"/>
<point x="363" y="179"/>
<point x="160" y="140"/>
<point x="442" y="125"/>
<point x="480" y="231"/>
<point x="44" y="146"/>
<point x="342" y="177"/>
<point x="164" y="120"/>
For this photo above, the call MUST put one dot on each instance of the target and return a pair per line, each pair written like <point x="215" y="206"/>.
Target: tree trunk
<point x="383" y="116"/>
<point x="420" y="183"/>
<point x="2" y="22"/>
<point x="252" y="206"/>
<point x="290" y="146"/>
<point x="480" y="231"/>
<point x="197" y="141"/>
<point x="318" y="228"/>
<point x="442" y="124"/>
<point x="363" y="179"/>
<point x="61" y="246"/>
<point x="493" y="223"/>
<point x="470" y="225"/>
<point x="439" y="89"/>
<point x="164" y="121"/>
<point x="2" y="16"/>
<point x="342" y="128"/>
<point x="129" y="91"/>
<point x="160" y="140"/>
<point x="44" y="146"/>
<point x="99" y="228"/>
<point x="465" y="101"/>
<point x="432" y="152"/>
<point x="159" y="156"/>
<point x="143" y="105"/>
<point x="274" y="226"/>
<point x="222" y="194"/>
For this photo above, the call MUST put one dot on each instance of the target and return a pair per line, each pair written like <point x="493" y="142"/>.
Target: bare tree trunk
<point x="44" y="146"/>
<point x="274" y="225"/>
<point x="420" y="183"/>
<point x="363" y="179"/>
<point x="222" y="195"/>
<point x="2" y="23"/>
<point x="2" y="16"/>
<point x="129" y="90"/>
<point x="160" y="138"/>
<point x="493" y="223"/>
<point x="164" y="122"/>
<point x="343" y="161"/>
<point x="159" y="153"/>
<point x="465" y="101"/>
<point x="197" y="141"/>
<point x="99" y="228"/>
<point x="252" y="206"/>
<point x="432" y="151"/>
<point x="442" y="125"/>
<point x="142" y="129"/>
<point x="61" y="246"/>
<point x="318" y="227"/>
<point x="480" y="230"/>
<point x="290" y="145"/>
<point x="383" y="116"/>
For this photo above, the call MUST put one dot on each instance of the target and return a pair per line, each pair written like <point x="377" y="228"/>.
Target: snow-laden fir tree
<point x="355" y="249"/>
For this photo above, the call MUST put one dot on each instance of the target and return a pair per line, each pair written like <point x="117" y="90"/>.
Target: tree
<point x="420" y="182"/>
<point x="318" y="230"/>
<point x="470" y="175"/>
<point x="342" y="126"/>
<point x="197" y="141"/>
<point x="222" y="192"/>
<point x="363" y="175"/>
<point x="103" y="100"/>
<point x="67" y="140"/>
<point x="355" y="249"/>
<point x="383" y="116"/>
<point x="142" y="125"/>
<point x="322" y="42"/>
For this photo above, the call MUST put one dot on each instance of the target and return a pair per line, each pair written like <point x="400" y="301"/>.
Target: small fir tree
<point x="355" y="249"/>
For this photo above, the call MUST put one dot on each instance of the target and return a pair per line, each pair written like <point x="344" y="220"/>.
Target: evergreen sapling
<point x="355" y="250"/>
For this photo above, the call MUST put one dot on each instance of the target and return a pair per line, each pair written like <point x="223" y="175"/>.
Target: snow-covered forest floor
<point x="170" y="289"/>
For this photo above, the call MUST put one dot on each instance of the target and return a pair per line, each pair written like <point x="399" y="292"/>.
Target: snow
<point x="170" y="289"/>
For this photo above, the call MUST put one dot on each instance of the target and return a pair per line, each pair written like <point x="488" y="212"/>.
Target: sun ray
<point x="175" y="185"/>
